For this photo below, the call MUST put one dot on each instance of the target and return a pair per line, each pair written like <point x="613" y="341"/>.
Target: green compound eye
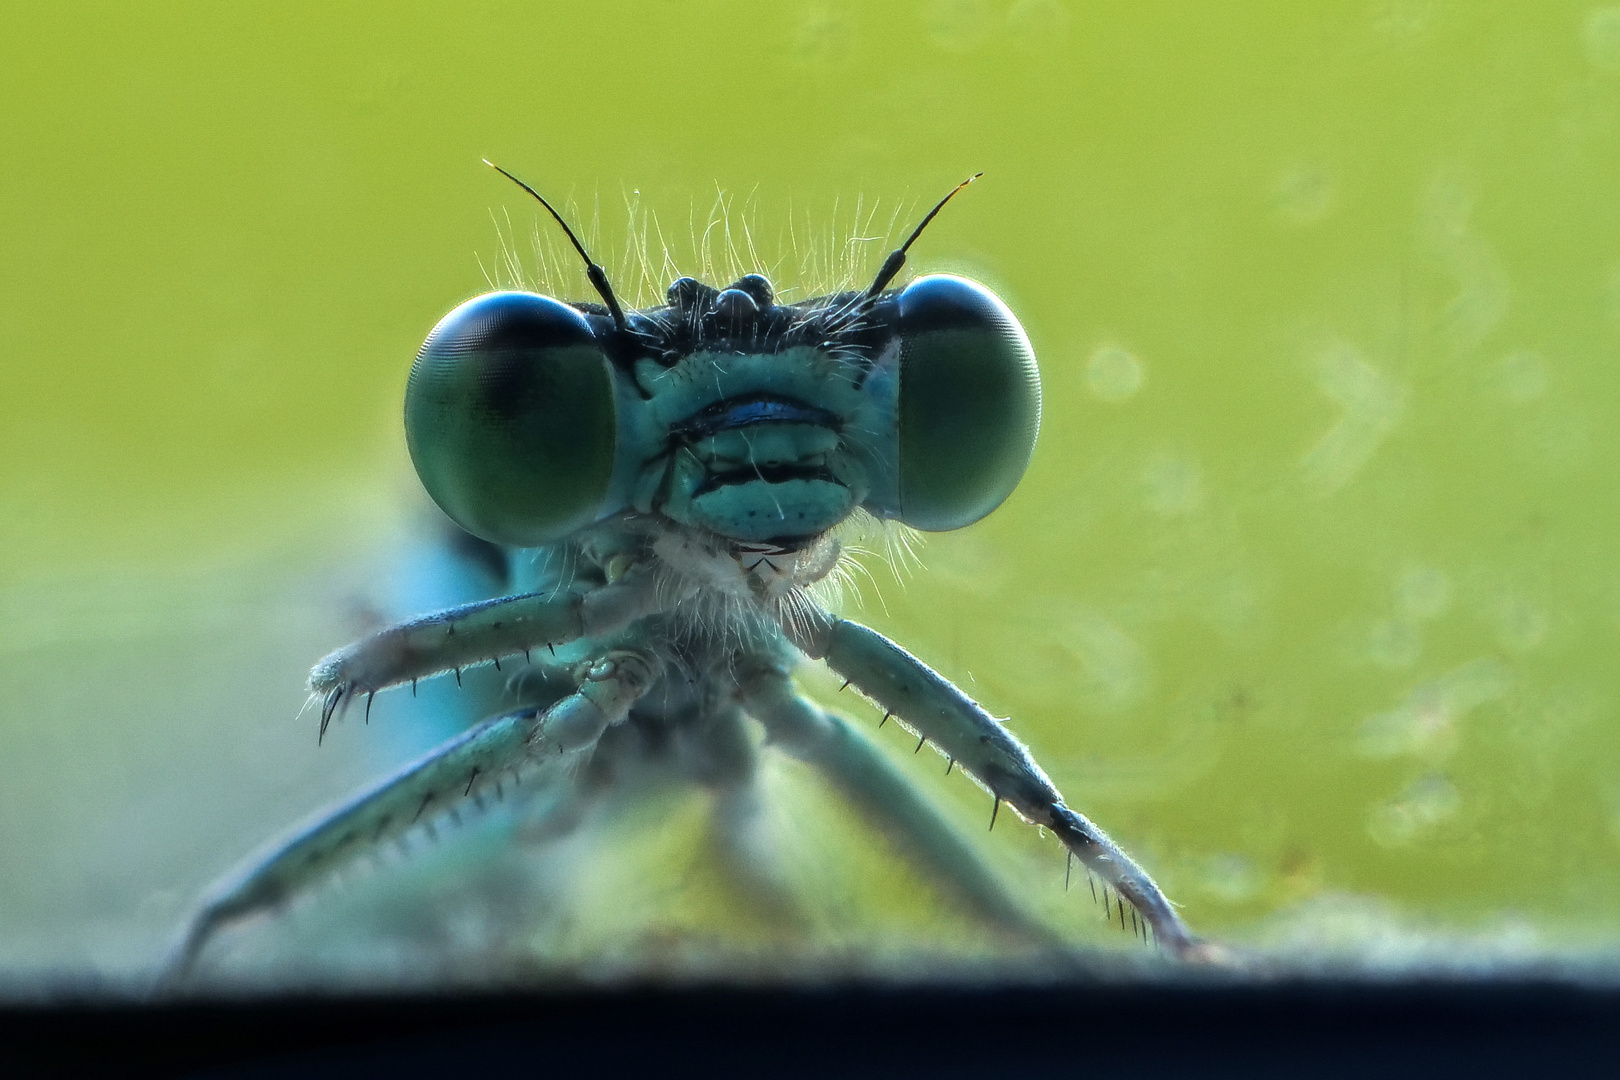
<point x="510" y="420"/>
<point x="970" y="402"/>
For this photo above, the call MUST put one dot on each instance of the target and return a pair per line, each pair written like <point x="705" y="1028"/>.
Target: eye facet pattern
<point x="970" y="402"/>
<point x="510" y="418"/>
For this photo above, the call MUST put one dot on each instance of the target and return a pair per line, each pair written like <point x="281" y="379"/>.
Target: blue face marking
<point x="753" y="409"/>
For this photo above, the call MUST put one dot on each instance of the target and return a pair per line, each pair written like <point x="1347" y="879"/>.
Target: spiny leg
<point x="480" y="633"/>
<point x="884" y="797"/>
<point x="463" y="768"/>
<point x="933" y="708"/>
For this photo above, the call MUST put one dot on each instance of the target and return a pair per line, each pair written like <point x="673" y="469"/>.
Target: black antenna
<point x="594" y="271"/>
<point x="897" y="257"/>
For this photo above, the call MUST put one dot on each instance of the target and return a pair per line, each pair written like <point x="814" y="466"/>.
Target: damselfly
<point x="664" y="488"/>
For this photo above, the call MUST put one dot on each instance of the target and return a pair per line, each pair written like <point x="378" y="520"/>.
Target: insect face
<point x="759" y="422"/>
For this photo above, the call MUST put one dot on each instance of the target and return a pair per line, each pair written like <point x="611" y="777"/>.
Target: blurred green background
<point x="1309" y="596"/>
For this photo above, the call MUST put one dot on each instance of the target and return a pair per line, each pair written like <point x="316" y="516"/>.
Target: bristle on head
<point x="809" y="253"/>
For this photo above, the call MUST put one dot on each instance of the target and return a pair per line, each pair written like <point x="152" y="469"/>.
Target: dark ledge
<point x="1368" y="1030"/>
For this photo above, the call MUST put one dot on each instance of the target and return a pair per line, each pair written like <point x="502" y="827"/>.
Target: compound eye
<point x="510" y="420"/>
<point x="970" y="402"/>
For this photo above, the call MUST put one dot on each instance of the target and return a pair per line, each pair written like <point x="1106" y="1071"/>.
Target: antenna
<point x="897" y="257"/>
<point x="594" y="271"/>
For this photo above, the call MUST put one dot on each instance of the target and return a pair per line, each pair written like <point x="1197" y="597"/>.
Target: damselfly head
<point x="761" y="423"/>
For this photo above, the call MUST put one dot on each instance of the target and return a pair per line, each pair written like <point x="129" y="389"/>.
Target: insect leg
<point x="740" y="836"/>
<point x="463" y="768"/>
<point x="931" y="706"/>
<point x="886" y="798"/>
<point x="477" y="633"/>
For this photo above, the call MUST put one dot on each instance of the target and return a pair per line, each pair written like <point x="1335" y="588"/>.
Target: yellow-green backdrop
<point x="1310" y="595"/>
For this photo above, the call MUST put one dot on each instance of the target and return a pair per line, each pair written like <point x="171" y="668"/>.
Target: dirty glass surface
<point x="1309" y="597"/>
